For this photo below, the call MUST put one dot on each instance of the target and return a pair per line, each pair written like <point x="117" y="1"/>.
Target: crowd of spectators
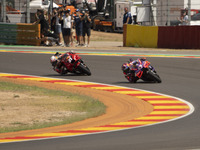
<point x="64" y="28"/>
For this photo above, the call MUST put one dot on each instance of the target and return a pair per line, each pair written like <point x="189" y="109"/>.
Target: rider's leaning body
<point x="129" y="69"/>
<point x="57" y="59"/>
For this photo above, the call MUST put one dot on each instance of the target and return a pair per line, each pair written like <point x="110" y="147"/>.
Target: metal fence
<point x="168" y="12"/>
<point x="15" y="11"/>
<point x="161" y="12"/>
<point x="22" y="11"/>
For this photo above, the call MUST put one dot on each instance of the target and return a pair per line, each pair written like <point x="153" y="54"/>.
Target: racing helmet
<point x="57" y="54"/>
<point x="125" y="67"/>
<point x="53" y="60"/>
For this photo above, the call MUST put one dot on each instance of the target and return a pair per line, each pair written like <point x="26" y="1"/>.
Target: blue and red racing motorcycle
<point x="140" y="69"/>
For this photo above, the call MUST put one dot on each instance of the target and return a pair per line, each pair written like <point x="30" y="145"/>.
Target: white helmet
<point x="53" y="60"/>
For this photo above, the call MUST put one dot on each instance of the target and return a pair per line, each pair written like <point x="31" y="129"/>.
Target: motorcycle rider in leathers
<point x="56" y="61"/>
<point x="130" y="67"/>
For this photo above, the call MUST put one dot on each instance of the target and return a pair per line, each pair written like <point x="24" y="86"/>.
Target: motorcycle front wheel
<point x="152" y="75"/>
<point x="84" y="69"/>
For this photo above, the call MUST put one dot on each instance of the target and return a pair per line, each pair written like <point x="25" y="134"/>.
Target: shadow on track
<point x="138" y="82"/>
<point x="65" y="75"/>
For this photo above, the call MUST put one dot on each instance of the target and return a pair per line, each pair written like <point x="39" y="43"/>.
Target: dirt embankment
<point x="106" y="36"/>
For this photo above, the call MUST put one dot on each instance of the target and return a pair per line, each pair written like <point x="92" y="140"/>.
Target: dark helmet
<point x="125" y="67"/>
<point x="143" y="58"/>
<point x="57" y="54"/>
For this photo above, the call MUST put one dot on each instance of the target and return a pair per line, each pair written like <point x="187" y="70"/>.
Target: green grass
<point x="52" y="100"/>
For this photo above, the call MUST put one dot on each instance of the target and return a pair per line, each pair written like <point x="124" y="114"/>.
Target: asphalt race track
<point x="180" y="78"/>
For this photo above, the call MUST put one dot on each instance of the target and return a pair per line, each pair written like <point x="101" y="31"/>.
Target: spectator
<point x="79" y="27"/>
<point x="47" y="37"/>
<point x="42" y="21"/>
<point x="56" y="26"/>
<point x="127" y="19"/>
<point x="53" y="20"/>
<point x="184" y="19"/>
<point x="61" y="14"/>
<point x="72" y="30"/>
<point x="67" y="25"/>
<point x="46" y="16"/>
<point x="86" y="27"/>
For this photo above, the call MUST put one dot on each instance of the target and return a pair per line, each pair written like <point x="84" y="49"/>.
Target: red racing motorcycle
<point x="69" y="62"/>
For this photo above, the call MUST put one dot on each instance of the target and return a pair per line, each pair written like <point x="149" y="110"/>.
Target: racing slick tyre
<point x="84" y="69"/>
<point x="152" y="75"/>
<point x="63" y="70"/>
